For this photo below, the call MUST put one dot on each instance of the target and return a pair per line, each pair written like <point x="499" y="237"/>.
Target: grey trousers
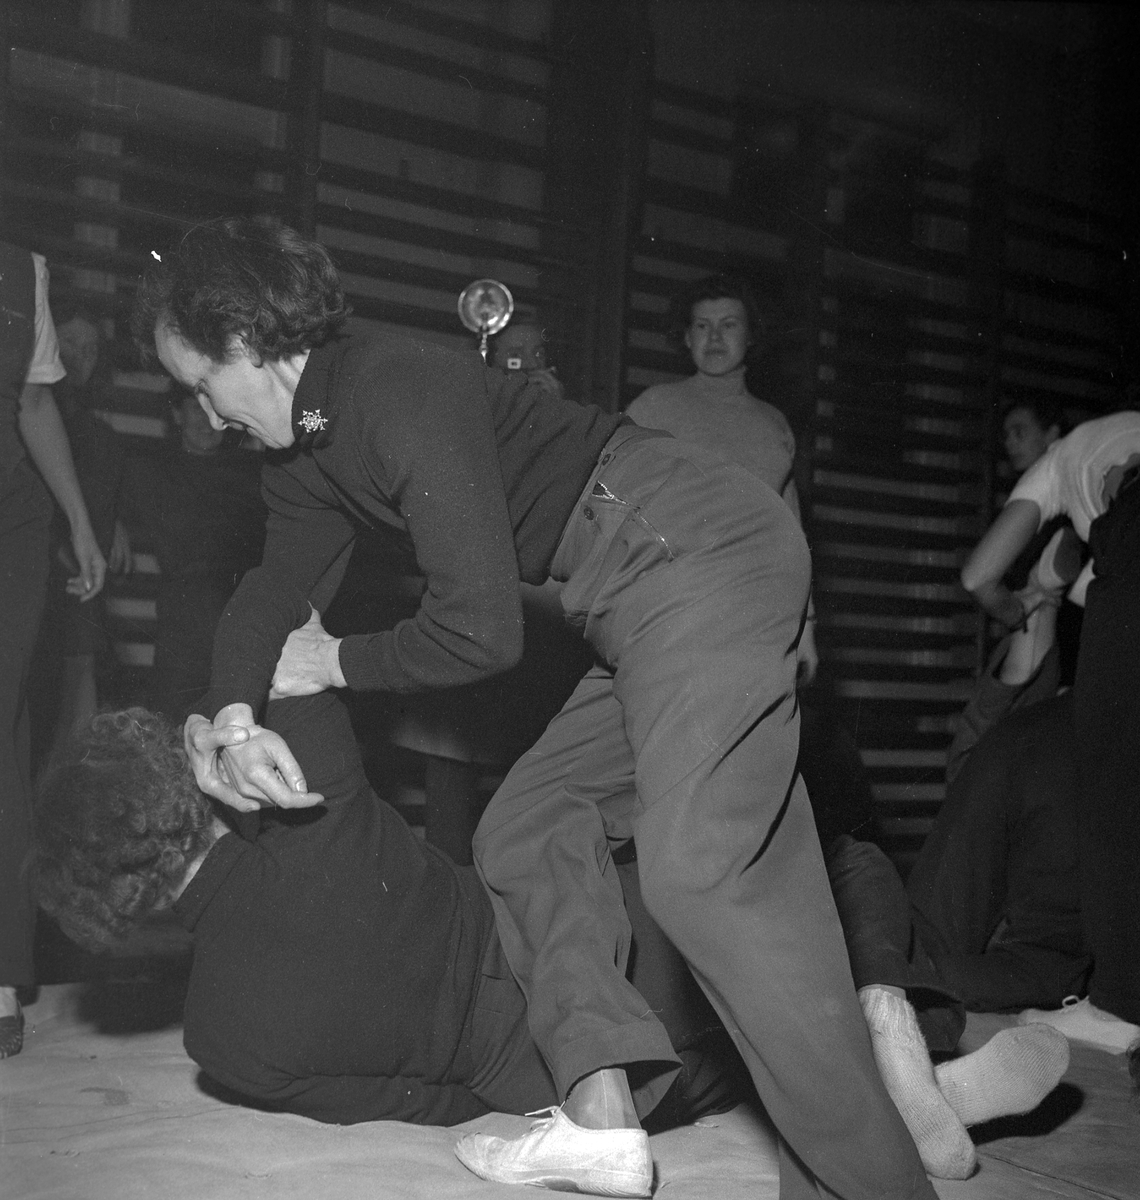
<point x="690" y="579"/>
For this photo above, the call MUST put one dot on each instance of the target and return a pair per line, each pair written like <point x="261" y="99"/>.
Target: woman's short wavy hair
<point x="118" y="820"/>
<point x="236" y="278"/>
<point x="713" y="287"/>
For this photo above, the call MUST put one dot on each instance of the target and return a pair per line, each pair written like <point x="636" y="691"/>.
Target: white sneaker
<point x="560" y="1155"/>
<point x="1082" y="1021"/>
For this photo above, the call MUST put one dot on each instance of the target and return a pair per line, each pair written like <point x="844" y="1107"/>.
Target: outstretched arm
<point x="234" y="759"/>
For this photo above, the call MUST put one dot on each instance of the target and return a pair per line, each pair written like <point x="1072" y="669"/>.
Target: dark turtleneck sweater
<point x="477" y="467"/>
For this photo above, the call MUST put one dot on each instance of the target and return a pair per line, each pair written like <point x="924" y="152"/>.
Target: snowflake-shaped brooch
<point x="312" y="421"/>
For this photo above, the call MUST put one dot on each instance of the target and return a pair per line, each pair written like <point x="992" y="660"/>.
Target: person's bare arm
<point x="46" y="440"/>
<point x="994" y="555"/>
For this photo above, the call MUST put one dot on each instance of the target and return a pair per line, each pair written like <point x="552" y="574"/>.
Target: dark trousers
<point x="25" y="512"/>
<point x="995" y="889"/>
<point x="690" y="580"/>
<point x="882" y="942"/>
<point x="512" y="1076"/>
<point x="1106" y="715"/>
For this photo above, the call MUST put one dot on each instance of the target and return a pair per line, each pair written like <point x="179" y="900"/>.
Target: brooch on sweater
<point x="312" y="421"/>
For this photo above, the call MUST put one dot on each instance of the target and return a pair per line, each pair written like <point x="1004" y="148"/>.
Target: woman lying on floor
<point x="343" y="969"/>
<point x="347" y="971"/>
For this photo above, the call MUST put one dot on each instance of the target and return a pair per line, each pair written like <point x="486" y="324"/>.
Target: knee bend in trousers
<point x="677" y="889"/>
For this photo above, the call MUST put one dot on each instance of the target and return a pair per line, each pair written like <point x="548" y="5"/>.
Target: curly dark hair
<point x="713" y="287"/>
<point x="239" y="278"/>
<point x="118" y="819"/>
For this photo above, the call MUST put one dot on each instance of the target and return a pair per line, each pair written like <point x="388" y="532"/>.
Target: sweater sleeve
<point x="306" y="538"/>
<point x="435" y="442"/>
<point x="246" y="651"/>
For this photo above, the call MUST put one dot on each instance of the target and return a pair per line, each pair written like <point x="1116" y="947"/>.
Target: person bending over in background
<point x="995" y="888"/>
<point x="1029" y="427"/>
<point x="1091" y="476"/>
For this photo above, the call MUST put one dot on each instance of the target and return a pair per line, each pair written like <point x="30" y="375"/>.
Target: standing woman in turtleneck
<point x="717" y="319"/>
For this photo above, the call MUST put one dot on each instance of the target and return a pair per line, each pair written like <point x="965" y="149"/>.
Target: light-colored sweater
<point x="719" y="413"/>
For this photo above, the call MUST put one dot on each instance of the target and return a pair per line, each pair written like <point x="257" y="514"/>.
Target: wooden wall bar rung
<point x="54" y="39"/>
<point x="433" y="21"/>
<point x="465" y="204"/>
<point x="704" y="260"/>
<point x="68" y="252"/>
<point x="415" y="274"/>
<point x="416" y="317"/>
<point x="429" y="237"/>
<point x="89" y="208"/>
<point x="1101" y="218"/>
<point x="707" y="202"/>
<point x="265" y="19"/>
<point x="431" y="66"/>
<point x="691" y="139"/>
<point x="174" y="132"/>
<point x="118" y="166"/>
<point x="443" y="135"/>
<point x="699" y="102"/>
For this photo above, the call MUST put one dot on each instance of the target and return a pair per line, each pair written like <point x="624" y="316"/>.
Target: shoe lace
<point x="545" y="1115"/>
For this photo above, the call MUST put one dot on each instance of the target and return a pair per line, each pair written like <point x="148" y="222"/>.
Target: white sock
<point x="1012" y="1073"/>
<point x="904" y="1064"/>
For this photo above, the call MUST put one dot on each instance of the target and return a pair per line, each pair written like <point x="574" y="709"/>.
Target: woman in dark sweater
<point x="689" y="579"/>
<point x="343" y="968"/>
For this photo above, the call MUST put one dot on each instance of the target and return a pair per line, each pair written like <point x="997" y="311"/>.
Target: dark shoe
<point x="11" y="1035"/>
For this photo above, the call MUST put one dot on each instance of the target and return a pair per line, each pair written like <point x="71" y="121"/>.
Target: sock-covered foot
<point x="563" y="1156"/>
<point x="904" y="1064"/>
<point x="1012" y="1073"/>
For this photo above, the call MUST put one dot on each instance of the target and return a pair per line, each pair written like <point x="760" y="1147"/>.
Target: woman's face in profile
<point x="1025" y="440"/>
